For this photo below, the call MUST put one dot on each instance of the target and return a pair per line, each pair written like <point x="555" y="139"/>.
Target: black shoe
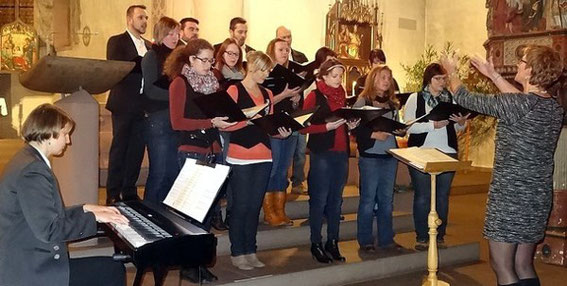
<point x="217" y="223"/>
<point x="206" y="275"/>
<point x="191" y="274"/>
<point x="332" y="247"/>
<point x="369" y="248"/>
<point x="319" y="254"/>
<point x="110" y="201"/>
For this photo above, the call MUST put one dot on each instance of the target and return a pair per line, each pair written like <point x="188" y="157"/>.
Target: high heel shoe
<point x="319" y="254"/>
<point x="332" y="247"/>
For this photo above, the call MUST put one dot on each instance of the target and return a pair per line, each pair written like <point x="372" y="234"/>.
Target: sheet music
<point x="418" y="157"/>
<point x="195" y="188"/>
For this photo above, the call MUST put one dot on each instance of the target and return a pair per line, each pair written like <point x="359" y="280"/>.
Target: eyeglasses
<point x="231" y="54"/>
<point x="210" y="61"/>
<point x="522" y="61"/>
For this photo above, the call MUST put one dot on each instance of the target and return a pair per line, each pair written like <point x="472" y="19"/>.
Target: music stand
<point x="78" y="170"/>
<point x="433" y="162"/>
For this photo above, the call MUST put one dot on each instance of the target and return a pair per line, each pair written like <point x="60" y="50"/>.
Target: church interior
<point x="412" y="33"/>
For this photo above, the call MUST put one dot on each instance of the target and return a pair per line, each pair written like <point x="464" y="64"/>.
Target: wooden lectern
<point x="77" y="171"/>
<point x="433" y="162"/>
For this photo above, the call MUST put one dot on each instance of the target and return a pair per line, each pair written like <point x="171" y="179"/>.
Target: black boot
<point x="206" y="275"/>
<point x="191" y="274"/>
<point x="217" y="222"/>
<point x="332" y="247"/>
<point x="529" y="282"/>
<point x="319" y="254"/>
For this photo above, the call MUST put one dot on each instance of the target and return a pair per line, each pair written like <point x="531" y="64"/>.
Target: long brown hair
<point x="180" y="56"/>
<point x="369" y="93"/>
<point x="220" y="55"/>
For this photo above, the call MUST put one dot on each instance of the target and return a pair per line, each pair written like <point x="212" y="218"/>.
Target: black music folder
<point x="280" y="77"/>
<point x="444" y="110"/>
<point x="295" y="121"/>
<point x="365" y="113"/>
<point x="403" y="97"/>
<point x="385" y="125"/>
<point x="298" y="68"/>
<point x="220" y="104"/>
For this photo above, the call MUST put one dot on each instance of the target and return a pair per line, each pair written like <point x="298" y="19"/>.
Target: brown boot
<point x="270" y="216"/>
<point x="279" y="204"/>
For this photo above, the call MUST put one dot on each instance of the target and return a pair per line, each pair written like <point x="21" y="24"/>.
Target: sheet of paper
<point x="195" y="188"/>
<point x="419" y="156"/>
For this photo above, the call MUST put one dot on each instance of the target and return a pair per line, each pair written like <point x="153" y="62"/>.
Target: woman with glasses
<point x="529" y="124"/>
<point x="286" y="100"/>
<point x="250" y="158"/>
<point x="160" y="137"/>
<point x="228" y="67"/>
<point x="431" y="134"/>
<point x="189" y="69"/>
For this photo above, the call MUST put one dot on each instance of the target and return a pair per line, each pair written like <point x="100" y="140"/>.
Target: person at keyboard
<point x="34" y="224"/>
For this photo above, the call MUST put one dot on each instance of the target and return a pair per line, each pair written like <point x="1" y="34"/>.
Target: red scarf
<point x="335" y="96"/>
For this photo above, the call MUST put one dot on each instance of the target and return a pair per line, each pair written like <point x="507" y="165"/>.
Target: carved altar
<point x="352" y="31"/>
<point x="512" y="23"/>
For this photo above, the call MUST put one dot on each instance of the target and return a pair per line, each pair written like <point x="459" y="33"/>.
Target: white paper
<point x="195" y="188"/>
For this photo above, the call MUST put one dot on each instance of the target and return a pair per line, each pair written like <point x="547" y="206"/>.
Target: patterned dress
<point x="521" y="191"/>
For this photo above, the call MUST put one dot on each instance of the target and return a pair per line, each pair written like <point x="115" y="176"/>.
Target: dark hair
<point x="236" y="20"/>
<point x="180" y="56"/>
<point x="45" y="122"/>
<point x="220" y="55"/>
<point x="131" y="9"/>
<point x="377" y="54"/>
<point x="322" y="54"/>
<point x="432" y="70"/>
<point x="188" y="19"/>
<point x="327" y="66"/>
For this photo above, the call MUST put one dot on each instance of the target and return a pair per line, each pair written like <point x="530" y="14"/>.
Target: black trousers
<point x="96" y="271"/>
<point x="126" y="155"/>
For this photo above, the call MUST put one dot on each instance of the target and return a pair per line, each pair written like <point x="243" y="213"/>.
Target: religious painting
<point x="19" y="47"/>
<point x="354" y="40"/>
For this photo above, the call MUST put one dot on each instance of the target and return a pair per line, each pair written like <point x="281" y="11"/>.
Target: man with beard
<point x="125" y="104"/>
<point x="189" y="30"/>
<point x="238" y="31"/>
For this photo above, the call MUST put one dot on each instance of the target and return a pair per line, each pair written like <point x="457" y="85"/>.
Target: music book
<point x="385" y="125"/>
<point x="298" y="68"/>
<point x="444" y="110"/>
<point x="296" y="121"/>
<point x="428" y="159"/>
<point x="196" y="188"/>
<point x="280" y="76"/>
<point x="220" y="104"/>
<point x="365" y="113"/>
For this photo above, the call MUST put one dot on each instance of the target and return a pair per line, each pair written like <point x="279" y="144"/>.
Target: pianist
<point x="34" y="224"/>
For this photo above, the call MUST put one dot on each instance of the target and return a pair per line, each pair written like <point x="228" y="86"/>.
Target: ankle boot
<point x="279" y="207"/>
<point x="318" y="253"/>
<point x="529" y="282"/>
<point x="332" y="247"/>
<point x="217" y="222"/>
<point x="270" y="216"/>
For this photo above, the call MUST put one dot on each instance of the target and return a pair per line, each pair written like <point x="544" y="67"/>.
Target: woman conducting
<point x="529" y="123"/>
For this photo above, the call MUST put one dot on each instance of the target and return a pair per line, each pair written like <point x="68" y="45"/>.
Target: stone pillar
<point x="77" y="170"/>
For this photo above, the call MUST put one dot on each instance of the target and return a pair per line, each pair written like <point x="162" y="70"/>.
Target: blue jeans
<point x="162" y="152"/>
<point x="377" y="177"/>
<point x="248" y="186"/>
<point x="421" y="201"/>
<point x="298" y="172"/>
<point x="326" y="179"/>
<point x="282" y="153"/>
<point x="213" y="158"/>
